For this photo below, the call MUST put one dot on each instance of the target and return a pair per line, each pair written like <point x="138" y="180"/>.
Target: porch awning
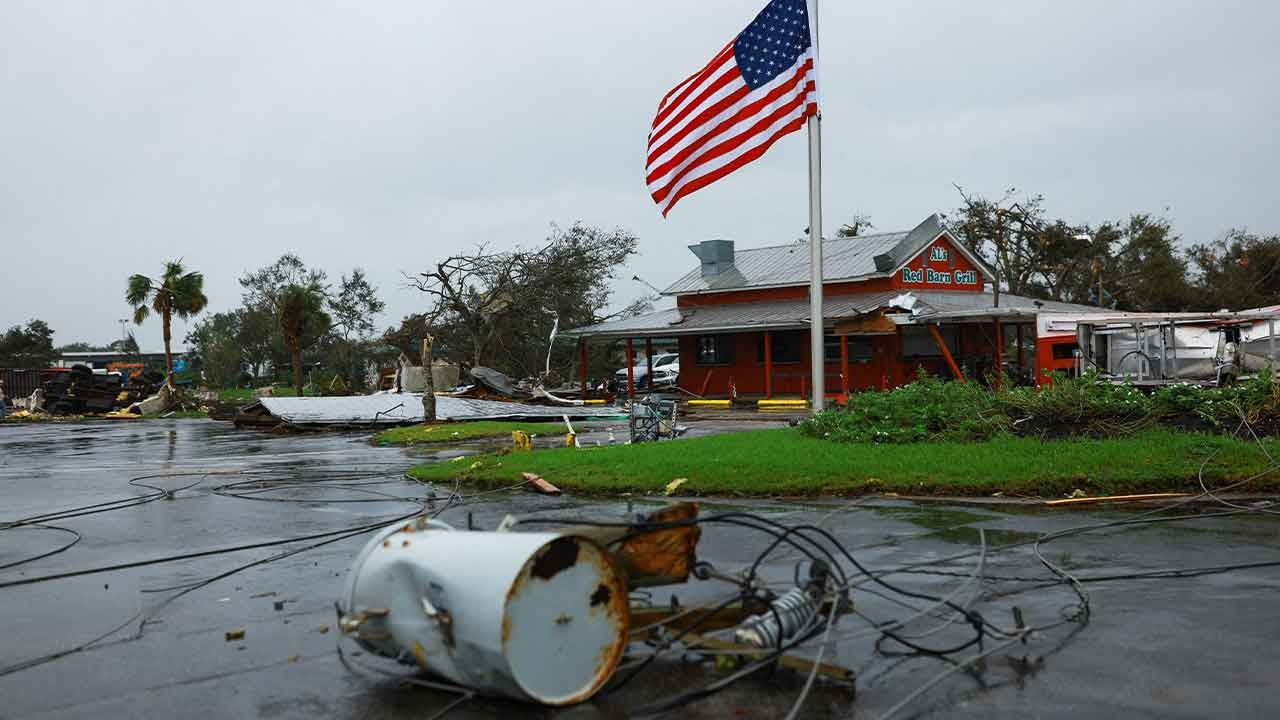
<point x="909" y="307"/>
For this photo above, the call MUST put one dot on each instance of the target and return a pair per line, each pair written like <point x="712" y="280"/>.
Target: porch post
<point x="631" y="360"/>
<point x="582" y="363"/>
<point x="998" y="355"/>
<point x="648" y="360"/>
<point x="844" y="365"/>
<point x="768" y="364"/>
<point x="946" y="352"/>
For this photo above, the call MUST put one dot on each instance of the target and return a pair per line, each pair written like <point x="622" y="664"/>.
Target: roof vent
<point x="716" y="256"/>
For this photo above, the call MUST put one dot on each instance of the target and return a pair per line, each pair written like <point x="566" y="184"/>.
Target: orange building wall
<point x="887" y="368"/>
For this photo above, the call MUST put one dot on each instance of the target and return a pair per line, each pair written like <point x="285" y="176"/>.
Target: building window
<point x="917" y="341"/>
<point x="787" y="346"/>
<point x="860" y="348"/>
<point x="715" y="349"/>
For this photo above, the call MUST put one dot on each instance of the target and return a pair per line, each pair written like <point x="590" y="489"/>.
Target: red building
<point x="892" y="302"/>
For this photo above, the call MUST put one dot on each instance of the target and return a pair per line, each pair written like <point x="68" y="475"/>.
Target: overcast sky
<point x="387" y="134"/>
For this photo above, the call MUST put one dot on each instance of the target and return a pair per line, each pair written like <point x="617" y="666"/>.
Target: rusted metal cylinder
<point x="533" y="616"/>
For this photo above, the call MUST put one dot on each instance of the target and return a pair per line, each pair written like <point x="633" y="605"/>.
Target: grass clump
<point x="788" y="462"/>
<point x="453" y="432"/>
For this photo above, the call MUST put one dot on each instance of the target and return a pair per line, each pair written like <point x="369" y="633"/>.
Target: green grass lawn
<point x="784" y="462"/>
<point x="452" y="432"/>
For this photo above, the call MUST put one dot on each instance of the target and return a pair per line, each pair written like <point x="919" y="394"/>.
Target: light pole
<point x="1097" y="261"/>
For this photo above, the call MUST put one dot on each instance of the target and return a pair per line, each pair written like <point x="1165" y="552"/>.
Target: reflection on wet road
<point x="1154" y="647"/>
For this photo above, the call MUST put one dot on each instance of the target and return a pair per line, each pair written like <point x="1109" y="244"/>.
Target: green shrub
<point x="931" y="410"/>
<point x="928" y="409"/>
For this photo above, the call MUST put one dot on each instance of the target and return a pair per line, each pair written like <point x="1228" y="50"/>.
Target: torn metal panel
<point x="533" y="616"/>
<point x="1178" y="348"/>
<point x="404" y="408"/>
<point x="650" y="553"/>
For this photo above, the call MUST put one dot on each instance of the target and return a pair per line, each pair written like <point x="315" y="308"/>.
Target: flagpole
<point x="816" y="331"/>
<point x="817" y="345"/>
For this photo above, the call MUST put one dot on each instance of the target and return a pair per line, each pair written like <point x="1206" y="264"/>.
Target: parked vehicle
<point x="666" y="373"/>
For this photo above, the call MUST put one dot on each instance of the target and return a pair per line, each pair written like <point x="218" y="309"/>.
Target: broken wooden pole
<point x="429" y="389"/>
<point x="946" y="351"/>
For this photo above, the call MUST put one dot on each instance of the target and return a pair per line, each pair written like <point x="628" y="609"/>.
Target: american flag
<point x="761" y="86"/>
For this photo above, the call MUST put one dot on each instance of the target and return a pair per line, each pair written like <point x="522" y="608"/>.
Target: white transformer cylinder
<point x="533" y="616"/>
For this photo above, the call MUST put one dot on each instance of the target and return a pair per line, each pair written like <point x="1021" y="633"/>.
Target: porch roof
<point x="921" y="306"/>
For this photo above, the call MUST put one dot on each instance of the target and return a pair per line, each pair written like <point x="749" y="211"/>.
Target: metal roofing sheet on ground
<point x="401" y="408"/>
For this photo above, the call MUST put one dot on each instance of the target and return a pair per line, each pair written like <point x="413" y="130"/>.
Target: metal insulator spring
<point x="794" y="609"/>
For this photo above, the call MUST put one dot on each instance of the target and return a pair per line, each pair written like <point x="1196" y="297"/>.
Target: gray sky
<point x="385" y="135"/>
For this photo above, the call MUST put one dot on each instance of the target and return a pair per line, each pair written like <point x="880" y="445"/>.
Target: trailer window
<point x="1064" y="351"/>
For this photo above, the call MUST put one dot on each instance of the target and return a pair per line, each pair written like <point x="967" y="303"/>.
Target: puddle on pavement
<point x="952" y="525"/>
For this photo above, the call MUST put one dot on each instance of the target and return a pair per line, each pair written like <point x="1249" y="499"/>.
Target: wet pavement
<point x="1168" y="647"/>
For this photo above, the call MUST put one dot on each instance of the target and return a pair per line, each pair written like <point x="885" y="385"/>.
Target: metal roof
<point x="852" y="258"/>
<point x="958" y="305"/>
<point x="788" y="314"/>
<point x="402" y="408"/>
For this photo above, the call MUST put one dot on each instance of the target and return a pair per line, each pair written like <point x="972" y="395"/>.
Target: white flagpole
<point x="817" y="345"/>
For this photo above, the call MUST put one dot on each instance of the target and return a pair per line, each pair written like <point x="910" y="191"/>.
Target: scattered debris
<point x="491" y="384"/>
<point x="269" y="593"/>
<point x="653" y="419"/>
<point x="537" y="483"/>
<point x="1082" y="499"/>
<point x="233" y="635"/>
<point x="521" y="441"/>
<point x="674" y="485"/>
<point x="279" y="605"/>
<point x="322" y="629"/>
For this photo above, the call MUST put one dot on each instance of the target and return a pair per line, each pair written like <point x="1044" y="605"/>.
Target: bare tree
<point x="474" y="291"/>
<point x="500" y="306"/>
<point x="1006" y="233"/>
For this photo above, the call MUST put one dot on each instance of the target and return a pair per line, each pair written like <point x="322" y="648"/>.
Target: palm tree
<point x="302" y="320"/>
<point x="178" y="293"/>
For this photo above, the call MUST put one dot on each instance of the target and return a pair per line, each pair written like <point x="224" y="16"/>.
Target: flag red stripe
<point x="745" y="112"/>
<point x="736" y="141"/>
<point x="698" y="123"/>
<point x="665" y="108"/>
<point x="746" y="157"/>
<point x="733" y="75"/>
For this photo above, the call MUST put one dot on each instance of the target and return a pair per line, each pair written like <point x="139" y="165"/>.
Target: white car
<point x="666" y="372"/>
